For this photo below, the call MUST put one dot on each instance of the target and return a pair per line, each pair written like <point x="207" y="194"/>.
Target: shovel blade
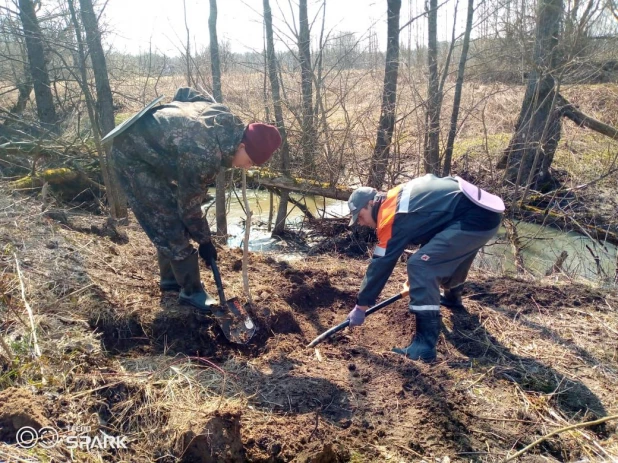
<point x="234" y="321"/>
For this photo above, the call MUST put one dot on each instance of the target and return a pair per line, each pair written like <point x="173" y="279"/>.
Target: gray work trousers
<point x="444" y="261"/>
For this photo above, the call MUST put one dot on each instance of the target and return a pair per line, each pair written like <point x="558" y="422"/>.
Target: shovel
<point x="375" y="308"/>
<point x="230" y="315"/>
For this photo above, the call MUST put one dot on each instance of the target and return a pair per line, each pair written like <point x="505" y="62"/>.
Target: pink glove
<point x="356" y="317"/>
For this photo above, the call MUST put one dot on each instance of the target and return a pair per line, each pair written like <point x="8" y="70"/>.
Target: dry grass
<point x="351" y="105"/>
<point x="529" y="361"/>
<point x="516" y="365"/>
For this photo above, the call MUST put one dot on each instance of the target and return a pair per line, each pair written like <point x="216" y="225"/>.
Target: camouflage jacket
<point x="186" y="143"/>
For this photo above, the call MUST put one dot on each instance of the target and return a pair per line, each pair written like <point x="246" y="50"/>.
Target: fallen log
<point x="565" y="222"/>
<point x="270" y="179"/>
<point x="67" y="183"/>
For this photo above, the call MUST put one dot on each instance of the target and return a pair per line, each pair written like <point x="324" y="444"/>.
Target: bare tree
<point x="104" y="103"/>
<point x="308" y="140"/>
<point x="38" y="63"/>
<point x="531" y="149"/>
<point x="215" y="66"/>
<point x="90" y="104"/>
<point x="274" y="84"/>
<point x="187" y="47"/>
<point x="386" y="125"/>
<point x="448" y="153"/>
<point x="432" y="131"/>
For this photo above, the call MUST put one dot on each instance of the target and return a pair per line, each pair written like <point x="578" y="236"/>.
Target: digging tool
<point x="230" y="315"/>
<point x="130" y="121"/>
<point x="369" y="311"/>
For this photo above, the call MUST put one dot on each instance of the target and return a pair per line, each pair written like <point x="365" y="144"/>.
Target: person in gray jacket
<point x="165" y="162"/>
<point x="434" y="213"/>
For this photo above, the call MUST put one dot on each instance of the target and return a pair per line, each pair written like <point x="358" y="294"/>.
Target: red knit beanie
<point x="261" y="141"/>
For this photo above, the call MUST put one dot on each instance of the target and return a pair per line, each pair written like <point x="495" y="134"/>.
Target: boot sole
<point x="198" y="310"/>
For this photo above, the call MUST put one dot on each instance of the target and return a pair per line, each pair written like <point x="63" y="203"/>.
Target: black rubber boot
<point x="423" y="345"/>
<point x="452" y="298"/>
<point x="168" y="280"/>
<point x="187" y="273"/>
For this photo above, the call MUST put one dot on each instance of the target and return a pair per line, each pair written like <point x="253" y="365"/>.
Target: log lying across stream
<point x="270" y="179"/>
<point x="567" y="222"/>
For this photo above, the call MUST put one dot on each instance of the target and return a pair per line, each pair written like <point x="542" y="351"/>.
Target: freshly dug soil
<point x="525" y="358"/>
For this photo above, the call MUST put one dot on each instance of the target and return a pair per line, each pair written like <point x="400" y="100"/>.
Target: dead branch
<point x="559" y="431"/>
<point x="6" y="349"/>
<point x="597" y="261"/>
<point x="305" y="210"/>
<point x="37" y="350"/>
<point x="557" y="267"/>
<point x="513" y="237"/>
<point x="569" y="111"/>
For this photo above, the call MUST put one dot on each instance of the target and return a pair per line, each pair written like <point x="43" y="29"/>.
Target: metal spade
<point x="130" y="121"/>
<point x="230" y="315"/>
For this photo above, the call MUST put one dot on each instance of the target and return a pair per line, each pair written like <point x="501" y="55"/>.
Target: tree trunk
<point x="24" y="89"/>
<point x="188" y="46"/>
<point x="38" y="64"/>
<point x="104" y="104"/>
<point x="386" y="125"/>
<point x="274" y="83"/>
<point x="308" y="140"/>
<point x="448" y="153"/>
<point x="530" y="153"/>
<point x="432" y="118"/>
<point x="90" y="105"/>
<point x="215" y="67"/>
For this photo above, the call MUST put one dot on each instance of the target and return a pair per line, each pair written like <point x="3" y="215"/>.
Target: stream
<point x="541" y="245"/>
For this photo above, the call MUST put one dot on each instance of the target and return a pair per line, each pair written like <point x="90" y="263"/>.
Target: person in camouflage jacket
<point x="165" y="162"/>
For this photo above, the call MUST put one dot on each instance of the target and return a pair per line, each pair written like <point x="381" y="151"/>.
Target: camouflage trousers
<point x="152" y="199"/>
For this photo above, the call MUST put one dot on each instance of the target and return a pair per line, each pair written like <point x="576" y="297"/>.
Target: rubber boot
<point x="423" y="345"/>
<point x="187" y="273"/>
<point x="452" y="298"/>
<point x="168" y="280"/>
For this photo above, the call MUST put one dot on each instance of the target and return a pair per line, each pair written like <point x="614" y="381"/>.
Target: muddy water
<point x="259" y="202"/>
<point x="541" y="248"/>
<point x="542" y="245"/>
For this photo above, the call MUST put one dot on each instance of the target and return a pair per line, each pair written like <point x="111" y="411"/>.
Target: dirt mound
<point x="526" y="296"/>
<point x="214" y="440"/>
<point x="329" y="454"/>
<point x="20" y="408"/>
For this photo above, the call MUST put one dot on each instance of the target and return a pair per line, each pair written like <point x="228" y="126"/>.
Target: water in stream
<point x="259" y="200"/>
<point x="542" y="245"/>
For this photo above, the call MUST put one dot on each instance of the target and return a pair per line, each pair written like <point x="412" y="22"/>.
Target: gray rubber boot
<point x="423" y="345"/>
<point x="187" y="273"/>
<point x="452" y="298"/>
<point x="168" y="280"/>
